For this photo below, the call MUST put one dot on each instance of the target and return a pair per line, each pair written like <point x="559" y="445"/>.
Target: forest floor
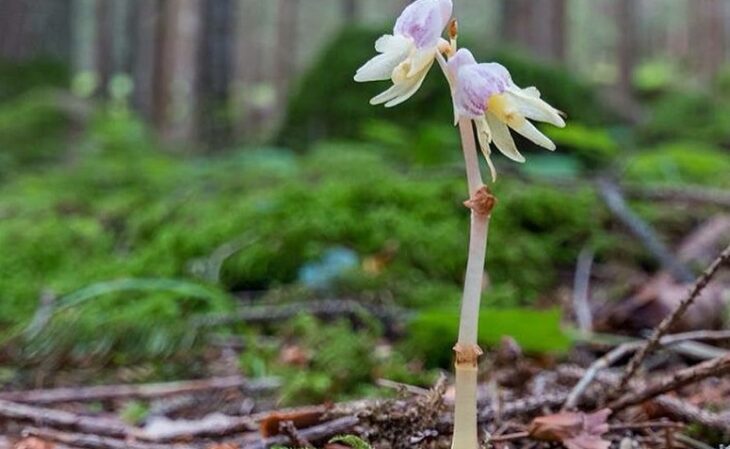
<point x="670" y="390"/>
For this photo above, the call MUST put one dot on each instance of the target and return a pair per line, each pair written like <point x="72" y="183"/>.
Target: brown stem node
<point x="482" y="201"/>
<point x="467" y="354"/>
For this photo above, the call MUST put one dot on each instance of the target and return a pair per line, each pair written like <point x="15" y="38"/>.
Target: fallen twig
<point x="581" y="283"/>
<point x="313" y="434"/>
<point x="669" y="321"/>
<point x="46" y="417"/>
<point x="288" y="429"/>
<point x="95" y="441"/>
<point x="616" y="203"/>
<point x="624" y="349"/>
<point x="716" y="367"/>
<point x="146" y="391"/>
<point x="683" y="194"/>
<point x="690" y="413"/>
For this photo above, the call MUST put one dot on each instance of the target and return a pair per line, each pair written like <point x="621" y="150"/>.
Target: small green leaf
<point x="353" y="441"/>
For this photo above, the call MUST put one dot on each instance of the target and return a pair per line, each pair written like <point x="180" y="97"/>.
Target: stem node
<point x="482" y="201"/>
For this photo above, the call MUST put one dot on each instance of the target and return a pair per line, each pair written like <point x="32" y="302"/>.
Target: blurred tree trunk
<point x="516" y="22"/>
<point x="179" y="69"/>
<point x="538" y="26"/>
<point x="249" y="38"/>
<point x="286" y="46"/>
<point x="104" y="44"/>
<point x="145" y="58"/>
<point x="707" y="37"/>
<point x="32" y="28"/>
<point x="216" y="69"/>
<point x="626" y="26"/>
<point x="350" y="10"/>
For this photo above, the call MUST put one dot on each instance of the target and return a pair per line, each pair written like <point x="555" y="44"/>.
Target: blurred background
<point x="192" y="188"/>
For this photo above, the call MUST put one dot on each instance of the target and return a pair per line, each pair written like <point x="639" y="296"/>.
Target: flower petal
<point x="528" y="103"/>
<point x="394" y="50"/>
<point x="503" y="139"/>
<point x="421" y="59"/>
<point x="476" y="84"/>
<point x="528" y="130"/>
<point x="414" y="84"/>
<point x="424" y="21"/>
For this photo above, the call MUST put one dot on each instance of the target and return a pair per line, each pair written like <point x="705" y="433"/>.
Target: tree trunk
<point x="179" y="70"/>
<point x="104" y="45"/>
<point x="516" y="21"/>
<point x="145" y="61"/>
<point x="286" y="48"/>
<point x="707" y="37"/>
<point x="350" y="10"/>
<point x="216" y="68"/>
<point x="626" y="19"/>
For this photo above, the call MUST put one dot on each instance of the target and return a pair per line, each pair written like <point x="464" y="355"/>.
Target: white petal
<point x="528" y="130"/>
<point x="531" y="106"/>
<point x="394" y="50"/>
<point x="420" y="60"/>
<point x="484" y="134"/>
<point x="503" y="139"/>
<point x="415" y="84"/>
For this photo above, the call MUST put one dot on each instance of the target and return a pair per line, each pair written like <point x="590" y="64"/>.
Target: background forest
<point x="198" y="188"/>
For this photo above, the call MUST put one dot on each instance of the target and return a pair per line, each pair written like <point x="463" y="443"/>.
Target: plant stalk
<point x="467" y="350"/>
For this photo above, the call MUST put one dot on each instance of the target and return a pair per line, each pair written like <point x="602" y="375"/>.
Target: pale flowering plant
<point x="488" y="105"/>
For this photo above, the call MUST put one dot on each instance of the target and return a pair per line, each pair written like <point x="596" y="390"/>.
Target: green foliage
<point x="689" y="115"/>
<point x="17" y="78"/>
<point x="433" y="332"/>
<point x="353" y="441"/>
<point x="33" y="128"/>
<point x="594" y="146"/>
<point x="681" y="162"/>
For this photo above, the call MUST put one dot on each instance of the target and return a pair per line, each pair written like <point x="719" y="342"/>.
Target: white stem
<point x="465" y="407"/>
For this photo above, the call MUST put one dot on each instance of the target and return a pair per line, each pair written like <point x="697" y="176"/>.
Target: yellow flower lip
<point x="500" y="106"/>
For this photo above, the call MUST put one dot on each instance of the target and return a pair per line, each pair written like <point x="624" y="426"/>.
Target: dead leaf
<point x="301" y="418"/>
<point x="294" y="355"/>
<point x="33" y="443"/>
<point x="574" y="430"/>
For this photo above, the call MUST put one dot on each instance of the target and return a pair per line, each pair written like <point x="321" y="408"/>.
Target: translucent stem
<point x="467" y="351"/>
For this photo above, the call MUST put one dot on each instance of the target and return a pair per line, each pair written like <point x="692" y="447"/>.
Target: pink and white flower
<point x="407" y="55"/>
<point x="486" y="94"/>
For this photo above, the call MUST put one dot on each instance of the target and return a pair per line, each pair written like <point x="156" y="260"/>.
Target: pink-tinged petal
<point x="461" y="58"/>
<point x="476" y="84"/>
<point x="424" y="21"/>
<point x="394" y="50"/>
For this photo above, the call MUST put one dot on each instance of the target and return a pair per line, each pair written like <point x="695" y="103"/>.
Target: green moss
<point x="681" y="162"/>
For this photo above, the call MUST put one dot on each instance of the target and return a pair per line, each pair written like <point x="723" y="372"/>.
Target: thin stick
<point x="581" y="284"/>
<point x="669" y="321"/>
<point x="145" y="391"/>
<point x="95" y="441"/>
<point x="616" y="203"/>
<point x="622" y="350"/>
<point x="716" y="367"/>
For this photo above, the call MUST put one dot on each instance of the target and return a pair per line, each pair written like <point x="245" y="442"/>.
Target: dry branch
<point x="624" y="349"/>
<point x="96" y="442"/>
<point x="146" y="391"/>
<point x="313" y="434"/>
<point x="616" y="203"/>
<point x="45" y="417"/>
<point x="683" y="194"/>
<point x="669" y="321"/>
<point x="716" y="367"/>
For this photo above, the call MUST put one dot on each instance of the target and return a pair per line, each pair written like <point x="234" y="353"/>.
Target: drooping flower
<point x="407" y="55"/>
<point x="486" y="94"/>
